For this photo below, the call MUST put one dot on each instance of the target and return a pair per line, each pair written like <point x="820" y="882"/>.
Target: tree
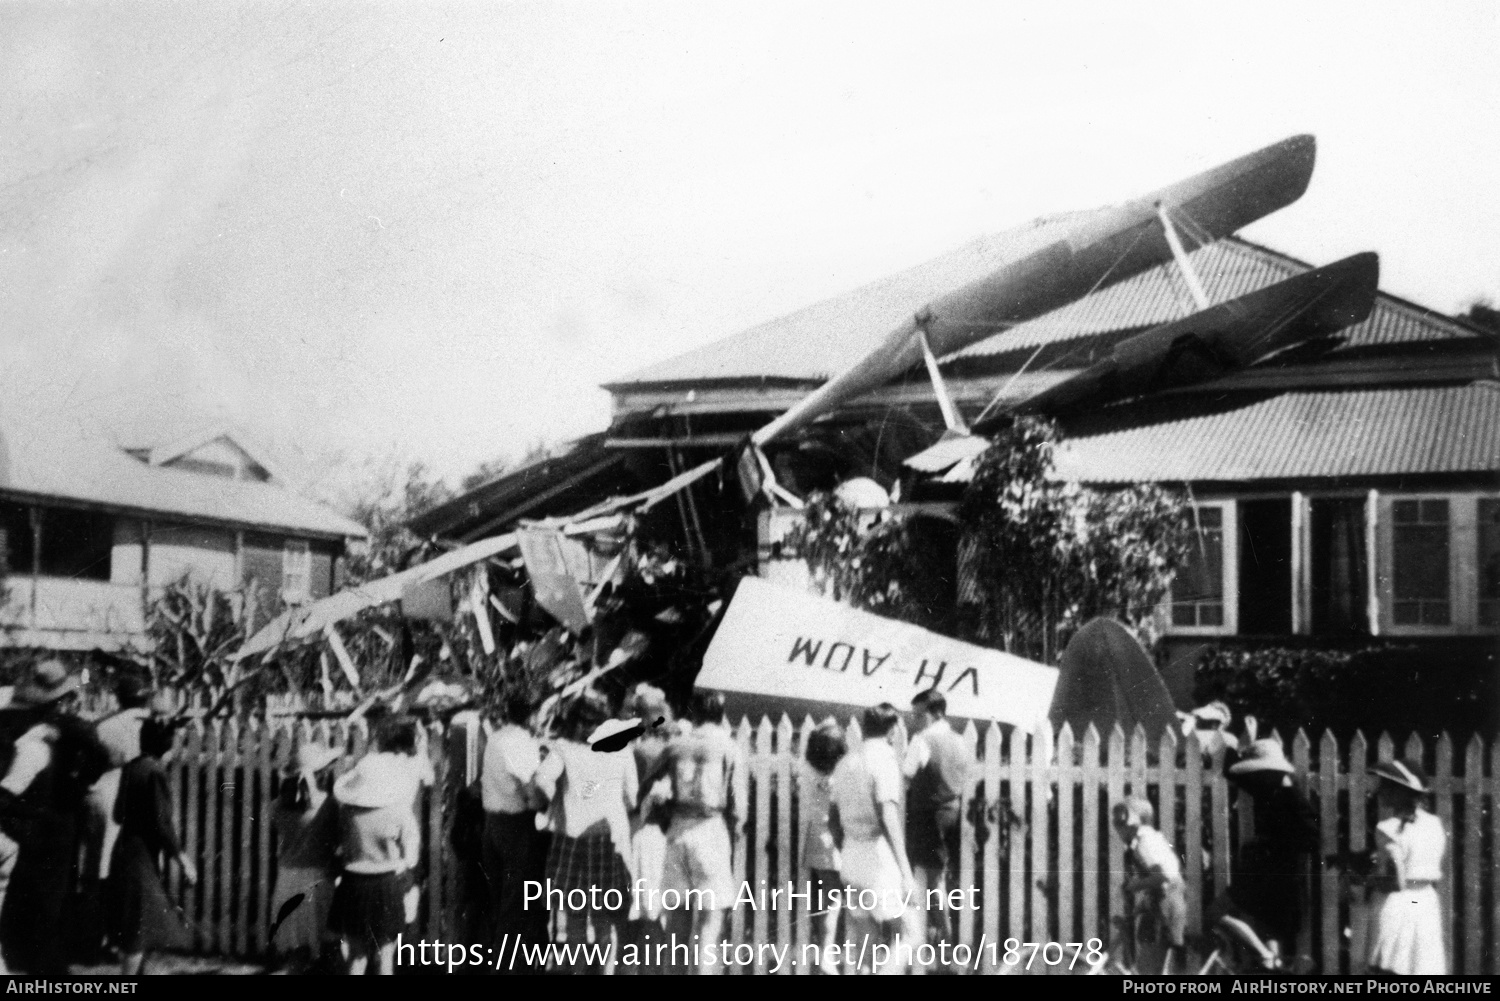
<point x="389" y="498"/>
<point x="1482" y="313"/>
<point x="1045" y="556"/>
<point x="1036" y="557"/>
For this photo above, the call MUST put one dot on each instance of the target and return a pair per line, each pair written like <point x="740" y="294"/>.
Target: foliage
<point x="1045" y="556"/>
<point x="195" y="629"/>
<point x="385" y="503"/>
<point x="1038" y="557"/>
<point x="1482" y="313"/>
<point x="831" y="539"/>
<point x="1399" y="689"/>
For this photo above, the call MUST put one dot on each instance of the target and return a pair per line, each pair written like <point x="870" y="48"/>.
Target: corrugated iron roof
<point x="1354" y="433"/>
<point x="820" y="340"/>
<point x="814" y="343"/>
<point x="57" y="458"/>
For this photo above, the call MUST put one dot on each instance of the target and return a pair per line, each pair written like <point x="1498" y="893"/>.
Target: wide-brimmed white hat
<point x="1402" y="772"/>
<point x="1264" y="755"/>
<point x="312" y="758"/>
<point x="378" y="780"/>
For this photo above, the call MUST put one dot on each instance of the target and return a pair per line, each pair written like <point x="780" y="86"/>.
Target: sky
<point x="388" y="231"/>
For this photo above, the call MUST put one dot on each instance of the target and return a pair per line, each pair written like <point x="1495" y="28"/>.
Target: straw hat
<point x="378" y="780"/>
<point x="312" y="758"/>
<point x="45" y="684"/>
<point x="1264" y="755"/>
<point x="1403" y="772"/>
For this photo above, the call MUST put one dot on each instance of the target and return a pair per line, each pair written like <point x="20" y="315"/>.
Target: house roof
<point x="814" y="343"/>
<point x="820" y="340"/>
<point x="56" y="458"/>
<point x="1314" y="435"/>
<point x="582" y="472"/>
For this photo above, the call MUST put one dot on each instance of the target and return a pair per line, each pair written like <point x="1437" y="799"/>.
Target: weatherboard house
<point x="1345" y="489"/>
<point x="91" y="533"/>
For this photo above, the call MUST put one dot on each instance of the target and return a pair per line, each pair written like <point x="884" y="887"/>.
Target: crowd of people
<point x="88" y="838"/>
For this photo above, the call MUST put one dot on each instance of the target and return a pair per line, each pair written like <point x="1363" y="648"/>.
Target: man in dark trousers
<point x="55" y="759"/>
<point x="513" y="850"/>
<point x="937" y="765"/>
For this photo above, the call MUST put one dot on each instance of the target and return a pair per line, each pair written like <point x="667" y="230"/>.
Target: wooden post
<point x="1301" y="553"/>
<point x="1372" y="561"/>
<point x="35" y="516"/>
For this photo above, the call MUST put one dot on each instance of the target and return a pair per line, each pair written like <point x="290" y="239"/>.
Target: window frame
<point x="1463" y="563"/>
<point x="294" y="551"/>
<point x="1230" y="569"/>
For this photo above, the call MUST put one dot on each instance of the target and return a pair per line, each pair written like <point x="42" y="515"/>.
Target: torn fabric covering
<point x="950" y="450"/>
<point x="557" y="566"/>
<point x="298" y="625"/>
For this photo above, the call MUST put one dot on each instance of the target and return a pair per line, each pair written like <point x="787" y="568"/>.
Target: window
<point x="296" y="570"/>
<point x="1489" y="561"/>
<point x="1419" y="563"/>
<point x="15" y="525"/>
<point x="1202" y="596"/>
<point x="76" y="544"/>
<point x="1439" y="564"/>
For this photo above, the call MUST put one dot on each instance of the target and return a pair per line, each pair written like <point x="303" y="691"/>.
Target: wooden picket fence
<point x="225" y="777"/>
<point x="1036" y="838"/>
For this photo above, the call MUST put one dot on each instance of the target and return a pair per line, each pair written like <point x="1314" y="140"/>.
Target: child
<point x="306" y="823"/>
<point x="379" y="842"/>
<point x="1407" y="925"/>
<point x="825" y="748"/>
<point x="1153" y="880"/>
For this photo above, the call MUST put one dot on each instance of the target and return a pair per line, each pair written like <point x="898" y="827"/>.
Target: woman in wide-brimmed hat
<point x="1406" y="934"/>
<point x="378" y="841"/>
<point x="307" y="831"/>
<point x="1266" y="884"/>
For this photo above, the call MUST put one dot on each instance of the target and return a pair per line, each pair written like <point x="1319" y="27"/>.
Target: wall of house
<point x="204" y="555"/>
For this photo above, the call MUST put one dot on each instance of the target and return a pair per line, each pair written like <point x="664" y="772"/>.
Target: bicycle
<point x="1237" y="948"/>
<point x="1123" y="956"/>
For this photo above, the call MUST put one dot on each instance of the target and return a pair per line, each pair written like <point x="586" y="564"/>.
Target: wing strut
<point x="1188" y="274"/>
<point x="951" y="416"/>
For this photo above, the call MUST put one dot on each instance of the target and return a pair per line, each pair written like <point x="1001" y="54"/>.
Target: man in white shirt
<point x="512" y="850"/>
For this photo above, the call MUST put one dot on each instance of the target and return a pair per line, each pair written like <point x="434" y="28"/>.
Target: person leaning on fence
<point x="145" y="918"/>
<point x="705" y="768"/>
<point x="936" y="766"/>
<point x="825" y="749"/>
<point x="513" y="850"/>
<point x="306" y="822"/>
<point x="591" y="794"/>
<point x="379" y="844"/>
<point x="56" y="757"/>
<point x="865" y="818"/>
<point x="1153" y="881"/>
<point x="1406" y="932"/>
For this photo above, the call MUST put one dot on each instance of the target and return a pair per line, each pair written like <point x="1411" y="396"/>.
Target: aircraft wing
<point x="1220" y="339"/>
<point x="1097" y="250"/>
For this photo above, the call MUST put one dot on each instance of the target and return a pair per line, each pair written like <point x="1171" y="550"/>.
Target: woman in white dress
<point x="1406" y="936"/>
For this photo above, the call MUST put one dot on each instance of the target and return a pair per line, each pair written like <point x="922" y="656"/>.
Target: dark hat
<point x="45" y="683"/>
<point x="1403" y="772"/>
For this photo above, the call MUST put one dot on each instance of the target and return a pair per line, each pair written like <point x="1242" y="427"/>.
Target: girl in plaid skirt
<point x="591" y="794"/>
